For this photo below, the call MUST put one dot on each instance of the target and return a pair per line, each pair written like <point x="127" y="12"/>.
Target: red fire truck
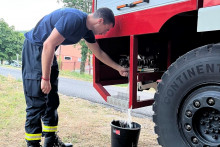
<point x="173" y="45"/>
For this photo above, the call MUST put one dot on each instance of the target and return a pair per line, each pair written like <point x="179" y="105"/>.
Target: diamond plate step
<point x="120" y="100"/>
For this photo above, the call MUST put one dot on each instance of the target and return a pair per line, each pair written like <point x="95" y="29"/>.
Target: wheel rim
<point x="200" y="117"/>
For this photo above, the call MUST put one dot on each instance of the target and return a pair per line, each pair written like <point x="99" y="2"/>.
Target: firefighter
<point x="40" y="69"/>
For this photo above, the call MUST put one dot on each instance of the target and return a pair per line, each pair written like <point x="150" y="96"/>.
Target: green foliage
<point x="84" y="53"/>
<point x="83" y="5"/>
<point x="11" y="42"/>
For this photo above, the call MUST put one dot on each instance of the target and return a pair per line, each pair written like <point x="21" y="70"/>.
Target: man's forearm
<point x="47" y="58"/>
<point x="102" y="56"/>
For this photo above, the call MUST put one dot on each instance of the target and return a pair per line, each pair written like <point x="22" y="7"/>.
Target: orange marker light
<point x="121" y="6"/>
<point x="138" y="2"/>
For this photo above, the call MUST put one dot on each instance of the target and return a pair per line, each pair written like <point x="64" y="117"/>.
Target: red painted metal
<point x="93" y="5"/>
<point x="208" y="3"/>
<point x="95" y="69"/>
<point x="96" y="79"/>
<point x="147" y="21"/>
<point x="102" y="91"/>
<point x="200" y="3"/>
<point x="133" y="71"/>
<point x="133" y="102"/>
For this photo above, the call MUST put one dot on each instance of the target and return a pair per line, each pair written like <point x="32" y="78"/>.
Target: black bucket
<point x="122" y="135"/>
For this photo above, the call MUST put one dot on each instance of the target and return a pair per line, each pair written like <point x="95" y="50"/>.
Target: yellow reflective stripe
<point x="33" y="136"/>
<point x="49" y="128"/>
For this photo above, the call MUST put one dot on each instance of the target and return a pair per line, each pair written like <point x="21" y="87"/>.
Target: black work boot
<point x="55" y="141"/>
<point x="33" y="144"/>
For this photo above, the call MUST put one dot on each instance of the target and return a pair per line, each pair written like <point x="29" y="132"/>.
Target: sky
<point x="24" y="14"/>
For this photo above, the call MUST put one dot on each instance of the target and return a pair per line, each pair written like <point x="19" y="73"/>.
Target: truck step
<point x="120" y="100"/>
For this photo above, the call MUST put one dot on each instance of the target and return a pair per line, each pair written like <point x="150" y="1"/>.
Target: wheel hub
<point x="207" y="124"/>
<point x="200" y="117"/>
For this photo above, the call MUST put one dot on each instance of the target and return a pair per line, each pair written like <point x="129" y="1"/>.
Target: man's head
<point x="104" y="20"/>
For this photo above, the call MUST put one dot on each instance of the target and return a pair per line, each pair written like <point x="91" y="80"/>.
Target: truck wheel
<point x="187" y="103"/>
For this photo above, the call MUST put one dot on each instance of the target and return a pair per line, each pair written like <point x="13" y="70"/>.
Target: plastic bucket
<point x="123" y="135"/>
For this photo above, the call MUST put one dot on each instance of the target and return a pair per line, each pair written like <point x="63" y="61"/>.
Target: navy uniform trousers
<point x="41" y="110"/>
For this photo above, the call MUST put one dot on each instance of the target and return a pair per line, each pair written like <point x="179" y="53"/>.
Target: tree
<point x="11" y="42"/>
<point x="85" y="6"/>
<point x="84" y="52"/>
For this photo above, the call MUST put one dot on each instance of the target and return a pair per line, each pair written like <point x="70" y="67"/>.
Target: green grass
<point x="12" y="102"/>
<point x="122" y="85"/>
<point x="76" y="75"/>
<point x="12" y="110"/>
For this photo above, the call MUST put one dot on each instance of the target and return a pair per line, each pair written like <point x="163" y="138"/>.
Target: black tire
<point x="187" y="98"/>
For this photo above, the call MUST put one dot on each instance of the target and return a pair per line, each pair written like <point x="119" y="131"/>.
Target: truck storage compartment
<point x="146" y="57"/>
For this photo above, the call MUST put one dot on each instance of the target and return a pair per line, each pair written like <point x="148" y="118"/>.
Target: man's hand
<point x="49" y="46"/>
<point x="45" y="86"/>
<point x="123" y="71"/>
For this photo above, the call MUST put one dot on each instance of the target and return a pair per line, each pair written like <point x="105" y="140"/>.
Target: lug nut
<point x="211" y="130"/>
<point x="188" y="127"/>
<point x="202" y="122"/>
<point x="208" y="126"/>
<point x="205" y="114"/>
<point x="188" y="113"/>
<point x="206" y="131"/>
<point x="211" y="117"/>
<point x="211" y="101"/>
<point x="195" y="140"/>
<point x="216" y="118"/>
<point x="213" y="112"/>
<point x="215" y="136"/>
<point x="197" y="104"/>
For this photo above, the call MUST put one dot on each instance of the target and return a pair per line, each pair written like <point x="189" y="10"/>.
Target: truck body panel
<point x="208" y="3"/>
<point x="150" y="37"/>
<point x="207" y="20"/>
<point x="149" y="20"/>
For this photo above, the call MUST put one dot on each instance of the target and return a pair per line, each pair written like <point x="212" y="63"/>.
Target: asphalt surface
<point x="85" y="90"/>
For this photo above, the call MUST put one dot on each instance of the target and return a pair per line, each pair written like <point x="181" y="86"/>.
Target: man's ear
<point x="100" y="20"/>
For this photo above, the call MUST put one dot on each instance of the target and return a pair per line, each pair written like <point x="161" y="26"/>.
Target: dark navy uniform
<point x="71" y="24"/>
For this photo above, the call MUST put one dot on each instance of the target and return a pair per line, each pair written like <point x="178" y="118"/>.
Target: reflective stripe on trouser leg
<point x="31" y="137"/>
<point x="49" y="128"/>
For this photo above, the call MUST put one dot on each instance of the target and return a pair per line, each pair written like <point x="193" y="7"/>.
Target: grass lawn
<point x="81" y="122"/>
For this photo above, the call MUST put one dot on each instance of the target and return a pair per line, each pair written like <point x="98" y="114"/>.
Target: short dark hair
<point x="106" y="14"/>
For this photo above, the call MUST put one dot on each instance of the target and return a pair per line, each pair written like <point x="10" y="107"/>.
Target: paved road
<point x="85" y="90"/>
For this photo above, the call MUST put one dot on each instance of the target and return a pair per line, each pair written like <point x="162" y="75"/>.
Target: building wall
<point x="70" y="57"/>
